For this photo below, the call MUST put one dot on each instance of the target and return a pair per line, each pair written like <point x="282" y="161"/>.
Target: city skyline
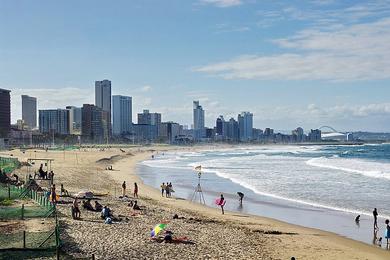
<point x="273" y="59"/>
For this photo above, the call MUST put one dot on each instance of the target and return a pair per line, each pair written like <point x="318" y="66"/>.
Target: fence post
<point x="93" y="256"/>
<point x="22" y="211"/>
<point x="24" y="239"/>
<point x="9" y="192"/>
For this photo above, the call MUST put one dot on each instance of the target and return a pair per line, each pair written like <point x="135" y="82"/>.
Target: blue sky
<point x="291" y="63"/>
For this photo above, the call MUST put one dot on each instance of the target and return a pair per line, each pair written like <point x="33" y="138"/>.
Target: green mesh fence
<point x="9" y="192"/>
<point x="45" y="239"/>
<point x="7" y="165"/>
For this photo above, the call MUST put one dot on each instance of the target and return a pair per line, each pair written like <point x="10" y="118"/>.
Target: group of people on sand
<point x="135" y="190"/>
<point x="167" y="189"/>
<point x="76" y="213"/>
<point x="44" y="175"/>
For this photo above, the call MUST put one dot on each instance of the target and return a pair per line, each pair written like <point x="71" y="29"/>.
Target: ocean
<point x="321" y="186"/>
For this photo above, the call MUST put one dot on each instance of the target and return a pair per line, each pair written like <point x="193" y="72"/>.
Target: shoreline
<point x="253" y="220"/>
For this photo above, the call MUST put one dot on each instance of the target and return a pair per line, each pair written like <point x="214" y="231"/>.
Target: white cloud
<point x="342" y="53"/>
<point x="146" y="88"/>
<point x="222" y="3"/>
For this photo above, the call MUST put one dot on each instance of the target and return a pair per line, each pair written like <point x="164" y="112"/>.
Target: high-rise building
<point x="121" y="114"/>
<point x="298" y="135"/>
<point x="199" y="125"/>
<point x="169" y="131"/>
<point x="74" y="120"/>
<point x="5" y="113"/>
<point x="315" y="135"/>
<point x="54" y="121"/>
<point x="92" y="126"/>
<point x="233" y="132"/>
<point x="103" y="100"/>
<point x="29" y="111"/>
<point x="148" y="118"/>
<point x="219" y="125"/>
<point x="245" y="124"/>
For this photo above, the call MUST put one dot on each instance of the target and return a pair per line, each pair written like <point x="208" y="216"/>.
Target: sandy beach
<point x="214" y="236"/>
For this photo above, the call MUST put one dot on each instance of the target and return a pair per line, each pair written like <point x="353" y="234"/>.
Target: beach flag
<point x="157" y="229"/>
<point x="198" y="168"/>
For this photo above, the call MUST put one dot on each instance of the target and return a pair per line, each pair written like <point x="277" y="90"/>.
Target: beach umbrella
<point x="157" y="229"/>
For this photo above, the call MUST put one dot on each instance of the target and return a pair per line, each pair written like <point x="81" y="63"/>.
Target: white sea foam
<point x="355" y="166"/>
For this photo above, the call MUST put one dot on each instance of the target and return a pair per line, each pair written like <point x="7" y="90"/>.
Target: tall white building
<point x="103" y="101"/>
<point x="29" y="111"/>
<point x="199" y="126"/>
<point x="245" y="125"/>
<point x="121" y="114"/>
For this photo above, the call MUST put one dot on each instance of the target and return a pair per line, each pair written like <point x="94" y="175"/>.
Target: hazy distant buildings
<point x="298" y="135"/>
<point x="74" y="120"/>
<point x="121" y="114"/>
<point x="29" y="111"/>
<point x="169" y="131"/>
<point x="199" y="125"/>
<point x="54" y="121"/>
<point x="92" y="126"/>
<point x="103" y="101"/>
<point x="245" y="124"/>
<point x="148" y="118"/>
<point x="315" y="135"/>
<point x="5" y="113"/>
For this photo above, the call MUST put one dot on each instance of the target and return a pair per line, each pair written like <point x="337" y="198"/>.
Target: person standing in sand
<point x="124" y="189"/>
<point x="162" y="189"/>
<point x="387" y="233"/>
<point x="222" y="203"/>
<point x="135" y="190"/>
<point x="375" y="214"/>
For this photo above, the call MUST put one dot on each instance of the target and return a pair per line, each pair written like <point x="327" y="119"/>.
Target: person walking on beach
<point x="162" y="189"/>
<point x="375" y="214"/>
<point x="123" y="189"/>
<point x="222" y="203"/>
<point x="135" y="190"/>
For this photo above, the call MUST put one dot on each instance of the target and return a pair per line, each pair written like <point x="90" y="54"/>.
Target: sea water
<point x="323" y="186"/>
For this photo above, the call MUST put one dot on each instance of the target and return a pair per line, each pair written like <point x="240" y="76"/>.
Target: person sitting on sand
<point x="76" y="214"/>
<point x="135" y="206"/>
<point x="106" y="212"/>
<point x="87" y="205"/>
<point x="98" y="206"/>
<point x="63" y="191"/>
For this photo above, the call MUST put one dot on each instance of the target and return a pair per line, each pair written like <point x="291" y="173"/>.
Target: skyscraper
<point x="245" y="124"/>
<point x="121" y="114"/>
<point x="54" y="121"/>
<point x="5" y="113"/>
<point x="199" y="126"/>
<point x="29" y="111"/>
<point x="103" y="100"/>
<point x="92" y="127"/>
<point x="74" y="120"/>
<point x="147" y="118"/>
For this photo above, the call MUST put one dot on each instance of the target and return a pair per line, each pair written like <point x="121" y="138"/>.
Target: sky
<point x="291" y="63"/>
